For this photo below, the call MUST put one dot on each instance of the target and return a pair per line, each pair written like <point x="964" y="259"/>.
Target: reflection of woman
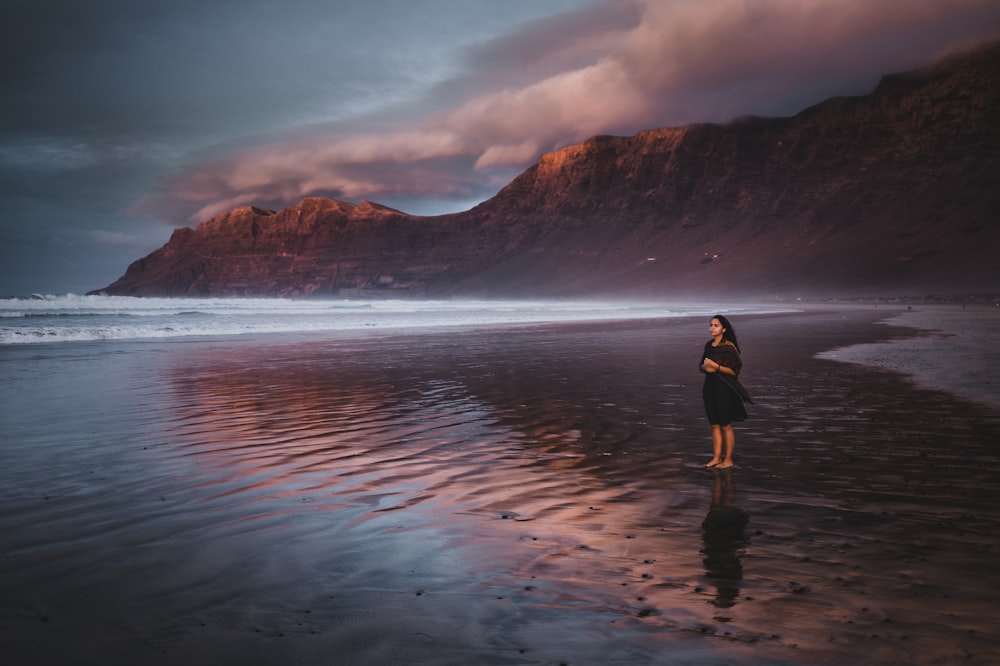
<point x="722" y="392"/>
<point x="723" y="532"/>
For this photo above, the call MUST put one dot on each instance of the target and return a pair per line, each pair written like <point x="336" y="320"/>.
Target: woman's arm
<point x="713" y="366"/>
<point x="729" y="363"/>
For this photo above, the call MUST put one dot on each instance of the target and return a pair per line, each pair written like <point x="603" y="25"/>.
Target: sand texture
<point x="951" y="346"/>
<point x="517" y="496"/>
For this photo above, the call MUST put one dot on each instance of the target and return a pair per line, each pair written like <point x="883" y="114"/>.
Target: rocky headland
<point x="893" y="192"/>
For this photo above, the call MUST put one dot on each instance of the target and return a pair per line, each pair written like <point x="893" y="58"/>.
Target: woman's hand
<point x="710" y="366"/>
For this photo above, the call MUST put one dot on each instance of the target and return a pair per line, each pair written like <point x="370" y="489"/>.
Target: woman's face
<point x="715" y="328"/>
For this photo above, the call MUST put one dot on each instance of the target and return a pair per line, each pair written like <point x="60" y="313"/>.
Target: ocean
<point x="49" y="319"/>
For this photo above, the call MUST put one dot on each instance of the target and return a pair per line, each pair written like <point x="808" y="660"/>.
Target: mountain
<point x="894" y="192"/>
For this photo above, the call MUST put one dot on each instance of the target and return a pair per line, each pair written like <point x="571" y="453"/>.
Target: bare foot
<point x="724" y="464"/>
<point x="712" y="463"/>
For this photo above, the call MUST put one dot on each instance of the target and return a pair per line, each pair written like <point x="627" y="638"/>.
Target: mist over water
<point x="81" y="318"/>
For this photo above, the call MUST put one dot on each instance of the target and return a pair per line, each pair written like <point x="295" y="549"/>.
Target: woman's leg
<point x="716" y="446"/>
<point x="729" y="436"/>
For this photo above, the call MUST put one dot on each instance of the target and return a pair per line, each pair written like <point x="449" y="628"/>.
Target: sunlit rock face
<point x="891" y="192"/>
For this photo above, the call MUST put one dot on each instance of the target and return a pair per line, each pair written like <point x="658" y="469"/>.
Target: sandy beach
<point x="524" y="495"/>
<point x="945" y="349"/>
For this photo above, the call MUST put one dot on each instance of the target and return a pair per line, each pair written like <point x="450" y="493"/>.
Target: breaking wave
<point x="46" y="319"/>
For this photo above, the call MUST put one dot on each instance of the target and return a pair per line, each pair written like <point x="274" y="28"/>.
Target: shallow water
<point x="515" y="496"/>
<point x="947" y="349"/>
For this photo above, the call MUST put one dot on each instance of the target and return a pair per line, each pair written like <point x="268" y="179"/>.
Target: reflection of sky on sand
<point x="494" y="499"/>
<point x="533" y="496"/>
<point x="541" y="496"/>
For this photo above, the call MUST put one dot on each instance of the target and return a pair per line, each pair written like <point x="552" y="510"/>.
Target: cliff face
<point x="895" y="191"/>
<point x="318" y="246"/>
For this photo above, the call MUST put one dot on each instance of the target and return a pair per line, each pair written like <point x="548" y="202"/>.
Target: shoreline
<point x="495" y="496"/>
<point x="949" y="350"/>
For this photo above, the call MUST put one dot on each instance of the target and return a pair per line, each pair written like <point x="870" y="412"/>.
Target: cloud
<point x="117" y="239"/>
<point x="616" y="67"/>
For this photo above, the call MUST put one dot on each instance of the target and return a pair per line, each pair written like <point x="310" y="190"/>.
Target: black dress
<point x="723" y="394"/>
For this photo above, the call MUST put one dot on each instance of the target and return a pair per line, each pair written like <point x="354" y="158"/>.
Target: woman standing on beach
<point x="722" y="392"/>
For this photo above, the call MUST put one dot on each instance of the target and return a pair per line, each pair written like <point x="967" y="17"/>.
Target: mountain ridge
<point x="891" y="191"/>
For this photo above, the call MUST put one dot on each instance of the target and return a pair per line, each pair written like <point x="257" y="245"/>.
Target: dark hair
<point x="729" y="333"/>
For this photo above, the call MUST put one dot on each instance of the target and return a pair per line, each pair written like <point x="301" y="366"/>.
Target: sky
<point x="122" y="120"/>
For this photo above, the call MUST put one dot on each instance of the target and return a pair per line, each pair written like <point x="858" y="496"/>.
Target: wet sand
<point x="514" y="496"/>
<point x="950" y="347"/>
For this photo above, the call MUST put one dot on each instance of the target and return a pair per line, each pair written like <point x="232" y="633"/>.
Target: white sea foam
<point x="71" y="317"/>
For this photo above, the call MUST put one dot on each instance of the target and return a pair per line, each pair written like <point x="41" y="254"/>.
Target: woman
<point x="722" y="392"/>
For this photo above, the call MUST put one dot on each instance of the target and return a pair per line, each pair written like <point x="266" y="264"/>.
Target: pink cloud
<point x="657" y="64"/>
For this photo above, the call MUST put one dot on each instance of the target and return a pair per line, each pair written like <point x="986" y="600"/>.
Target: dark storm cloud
<point x="119" y="115"/>
<point x="207" y="69"/>
<point x="101" y="98"/>
<point x="656" y="64"/>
